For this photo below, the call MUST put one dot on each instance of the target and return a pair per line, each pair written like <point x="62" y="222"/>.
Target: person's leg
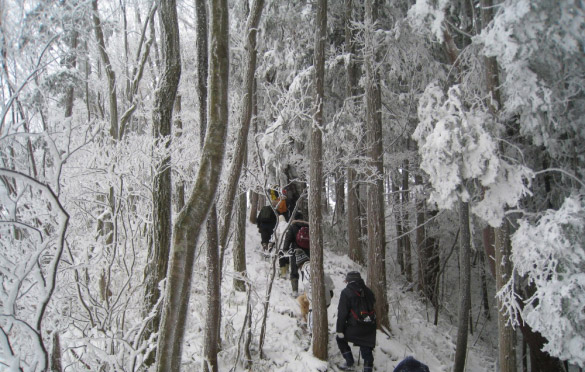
<point x="265" y="235"/>
<point x="368" y="356"/>
<point x="294" y="276"/>
<point x="345" y="351"/>
<point x="283" y="264"/>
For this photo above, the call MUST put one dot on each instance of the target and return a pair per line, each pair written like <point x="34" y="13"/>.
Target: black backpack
<point x="266" y="214"/>
<point x="362" y="310"/>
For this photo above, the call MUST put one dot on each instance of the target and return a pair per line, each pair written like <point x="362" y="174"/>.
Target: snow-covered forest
<point x="435" y="146"/>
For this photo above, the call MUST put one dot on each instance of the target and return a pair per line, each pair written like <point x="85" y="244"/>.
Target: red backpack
<point x="302" y="237"/>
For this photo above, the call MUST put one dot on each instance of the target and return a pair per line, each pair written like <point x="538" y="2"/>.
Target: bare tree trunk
<point x="484" y="288"/>
<point x="202" y="68"/>
<point x="162" y="116"/>
<point x="110" y="74"/>
<point x="320" y="325"/>
<point x="353" y="219"/>
<point x="242" y="137"/>
<point x="56" y="357"/>
<point x="465" y="288"/>
<point x="180" y="185"/>
<point x="421" y="244"/>
<point x="254" y="204"/>
<point x="240" y="244"/>
<point x="213" y="316"/>
<point x="375" y="205"/>
<point x="339" y="210"/>
<point x="191" y="218"/>
<point x="353" y="212"/>
<point x="506" y="334"/>
<point x="405" y="221"/>
<point x="398" y="221"/>
<point x="70" y="63"/>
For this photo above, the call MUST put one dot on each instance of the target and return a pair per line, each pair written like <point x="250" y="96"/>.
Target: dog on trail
<point x="304" y="303"/>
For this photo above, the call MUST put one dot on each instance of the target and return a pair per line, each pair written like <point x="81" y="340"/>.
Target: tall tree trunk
<point x="162" y="116"/>
<point x="506" y="334"/>
<point x="320" y="325"/>
<point x="339" y="210"/>
<point x="240" y="244"/>
<point x="56" y="364"/>
<point x="202" y="67"/>
<point x="375" y="205"/>
<point x="213" y="295"/>
<point x="405" y="221"/>
<point x="356" y="253"/>
<point x="180" y="185"/>
<point x="254" y="206"/>
<point x="70" y="63"/>
<point x="421" y="244"/>
<point x="110" y="74"/>
<point x="191" y="218"/>
<point x="464" y="288"/>
<point x="242" y="137"/>
<point x="353" y="212"/>
<point x="398" y="221"/>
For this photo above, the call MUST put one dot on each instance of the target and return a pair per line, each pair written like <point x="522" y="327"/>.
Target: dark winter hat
<point x="301" y="257"/>
<point x="411" y="365"/>
<point x="352" y="276"/>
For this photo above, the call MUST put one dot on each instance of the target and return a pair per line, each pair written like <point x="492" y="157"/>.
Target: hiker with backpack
<point x="297" y="236"/>
<point x="266" y="222"/>
<point x="356" y="322"/>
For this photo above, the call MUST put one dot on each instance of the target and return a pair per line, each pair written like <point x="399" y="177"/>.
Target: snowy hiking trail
<point x="287" y="343"/>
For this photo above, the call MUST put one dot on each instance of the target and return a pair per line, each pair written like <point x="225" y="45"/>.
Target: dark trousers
<point x="366" y="352"/>
<point x="283" y="261"/>
<point x="265" y="234"/>
<point x="294" y="270"/>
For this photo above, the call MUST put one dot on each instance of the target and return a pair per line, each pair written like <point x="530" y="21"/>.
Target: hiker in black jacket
<point x="349" y="329"/>
<point x="288" y="249"/>
<point x="266" y="221"/>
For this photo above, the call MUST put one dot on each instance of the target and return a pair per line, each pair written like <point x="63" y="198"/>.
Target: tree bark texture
<point x="375" y="204"/>
<point x="191" y="218"/>
<point x="356" y="253"/>
<point x="240" y="243"/>
<point x="320" y="325"/>
<point x="253" y="206"/>
<point x="213" y="296"/>
<point x="202" y="67"/>
<point x="405" y="221"/>
<point x="353" y="213"/>
<point x="180" y="185"/>
<point x="241" y="147"/>
<point x="398" y="221"/>
<point x="110" y="74"/>
<point x="70" y="63"/>
<point x="162" y="116"/>
<point x="464" y="288"/>
<point x="506" y="334"/>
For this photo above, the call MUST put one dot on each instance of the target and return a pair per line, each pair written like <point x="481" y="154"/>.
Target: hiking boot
<point x="264" y="246"/>
<point x="346" y="367"/>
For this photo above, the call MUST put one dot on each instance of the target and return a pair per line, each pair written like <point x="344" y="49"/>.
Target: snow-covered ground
<point x="286" y="347"/>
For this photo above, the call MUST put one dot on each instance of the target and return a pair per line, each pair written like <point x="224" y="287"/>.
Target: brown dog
<point x="304" y="302"/>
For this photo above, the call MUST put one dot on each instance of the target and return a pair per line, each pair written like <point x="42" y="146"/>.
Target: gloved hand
<point x="340" y="335"/>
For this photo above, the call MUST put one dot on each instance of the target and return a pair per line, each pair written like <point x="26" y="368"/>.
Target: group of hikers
<point x="356" y="319"/>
